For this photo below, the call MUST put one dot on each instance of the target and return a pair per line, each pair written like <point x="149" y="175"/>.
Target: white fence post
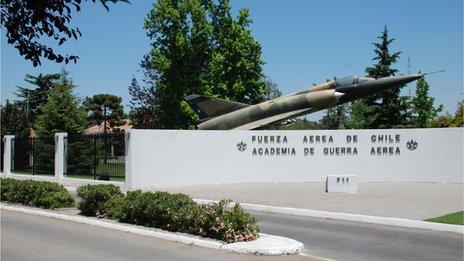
<point x="128" y="165"/>
<point x="8" y="154"/>
<point x="60" y="155"/>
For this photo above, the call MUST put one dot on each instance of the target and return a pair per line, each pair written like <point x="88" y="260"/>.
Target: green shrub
<point x="154" y="209"/>
<point x="42" y="194"/>
<point x="94" y="197"/>
<point x="173" y="212"/>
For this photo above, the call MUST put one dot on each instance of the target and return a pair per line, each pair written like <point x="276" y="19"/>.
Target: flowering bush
<point x="179" y="213"/>
<point x="214" y="220"/>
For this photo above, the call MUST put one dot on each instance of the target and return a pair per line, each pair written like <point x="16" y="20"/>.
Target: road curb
<point x="399" y="222"/>
<point x="265" y="245"/>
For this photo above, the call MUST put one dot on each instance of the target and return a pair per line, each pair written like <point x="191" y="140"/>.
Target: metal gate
<point x="34" y="156"/>
<point x="96" y="156"/>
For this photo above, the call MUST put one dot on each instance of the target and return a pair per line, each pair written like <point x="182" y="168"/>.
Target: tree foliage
<point x="197" y="47"/>
<point x="101" y="107"/>
<point x="62" y="112"/>
<point x="272" y="89"/>
<point x="448" y="120"/>
<point x="13" y="119"/>
<point x="422" y="103"/>
<point x="385" y="109"/>
<point x="33" y="99"/>
<point x="28" y="22"/>
<point x="335" y="118"/>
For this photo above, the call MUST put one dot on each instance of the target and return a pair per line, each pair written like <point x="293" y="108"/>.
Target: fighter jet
<point x="219" y="114"/>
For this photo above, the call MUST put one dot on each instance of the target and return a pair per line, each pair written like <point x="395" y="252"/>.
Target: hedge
<point x="34" y="193"/>
<point x="173" y="212"/>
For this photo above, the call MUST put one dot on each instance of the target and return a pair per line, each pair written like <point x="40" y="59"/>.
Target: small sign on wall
<point x="341" y="184"/>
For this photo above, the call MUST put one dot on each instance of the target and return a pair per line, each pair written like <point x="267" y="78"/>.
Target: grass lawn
<point x="453" y="218"/>
<point x="73" y="176"/>
<point x="116" y="171"/>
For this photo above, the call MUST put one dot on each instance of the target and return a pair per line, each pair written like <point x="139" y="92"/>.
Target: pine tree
<point x="33" y="99"/>
<point x="422" y="103"/>
<point x="104" y="107"/>
<point x="385" y="109"/>
<point x="62" y="112"/>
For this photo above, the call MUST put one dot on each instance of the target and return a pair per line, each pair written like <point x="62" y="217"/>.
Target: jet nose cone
<point x="411" y="78"/>
<point x="400" y="80"/>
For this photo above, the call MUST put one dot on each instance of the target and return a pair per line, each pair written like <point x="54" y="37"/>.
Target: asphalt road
<point x="342" y="240"/>
<point x="29" y="237"/>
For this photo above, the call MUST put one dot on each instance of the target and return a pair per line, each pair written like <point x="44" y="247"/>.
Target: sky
<point x="303" y="42"/>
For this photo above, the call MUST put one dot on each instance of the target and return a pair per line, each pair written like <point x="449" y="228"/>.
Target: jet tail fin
<point x="207" y="108"/>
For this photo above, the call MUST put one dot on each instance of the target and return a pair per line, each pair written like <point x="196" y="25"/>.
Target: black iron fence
<point x="96" y="156"/>
<point x="34" y="156"/>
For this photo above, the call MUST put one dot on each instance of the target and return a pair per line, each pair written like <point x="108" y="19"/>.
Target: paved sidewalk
<point x="417" y="201"/>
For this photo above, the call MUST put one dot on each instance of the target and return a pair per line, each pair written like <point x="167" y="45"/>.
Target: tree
<point x="62" y="112"/>
<point x="442" y="121"/>
<point x="178" y="58"/>
<point x="13" y="120"/>
<point x="197" y="47"/>
<point x="235" y="69"/>
<point x="423" y="105"/>
<point x="142" y="103"/>
<point x="272" y="89"/>
<point x="384" y="109"/>
<point x="33" y="99"/>
<point x="335" y="118"/>
<point x="459" y="115"/>
<point x="300" y="124"/>
<point x="448" y="120"/>
<point x="28" y="22"/>
<point x="104" y="108"/>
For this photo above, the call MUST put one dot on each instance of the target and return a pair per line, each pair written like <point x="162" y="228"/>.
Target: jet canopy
<point x="350" y="80"/>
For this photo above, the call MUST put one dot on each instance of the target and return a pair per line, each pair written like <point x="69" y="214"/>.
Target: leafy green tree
<point x="442" y="121"/>
<point x="176" y="59"/>
<point x="62" y="112"/>
<point x="33" y="99"/>
<point x="335" y="118"/>
<point x="197" y="47"/>
<point x="385" y="109"/>
<point x="28" y="22"/>
<point x="423" y="105"/>
<point x="448" y="120"/>
<point x="235" y="69"/>
<point x="104" y="108"/>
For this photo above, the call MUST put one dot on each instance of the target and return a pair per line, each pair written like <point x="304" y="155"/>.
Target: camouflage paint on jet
<point x="219" y="114"/>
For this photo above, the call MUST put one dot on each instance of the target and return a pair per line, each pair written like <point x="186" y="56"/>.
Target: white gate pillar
<point x="128" y="161"/>
<point x="8" y="154"/>
<point x="60" y="155"/>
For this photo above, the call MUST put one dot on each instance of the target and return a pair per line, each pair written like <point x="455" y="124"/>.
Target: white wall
<point x="171" y="158"/>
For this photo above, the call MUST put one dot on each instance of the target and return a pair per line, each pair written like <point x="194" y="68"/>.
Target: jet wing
<point x="275" y="119"/>
<point x="207" y="107"/>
